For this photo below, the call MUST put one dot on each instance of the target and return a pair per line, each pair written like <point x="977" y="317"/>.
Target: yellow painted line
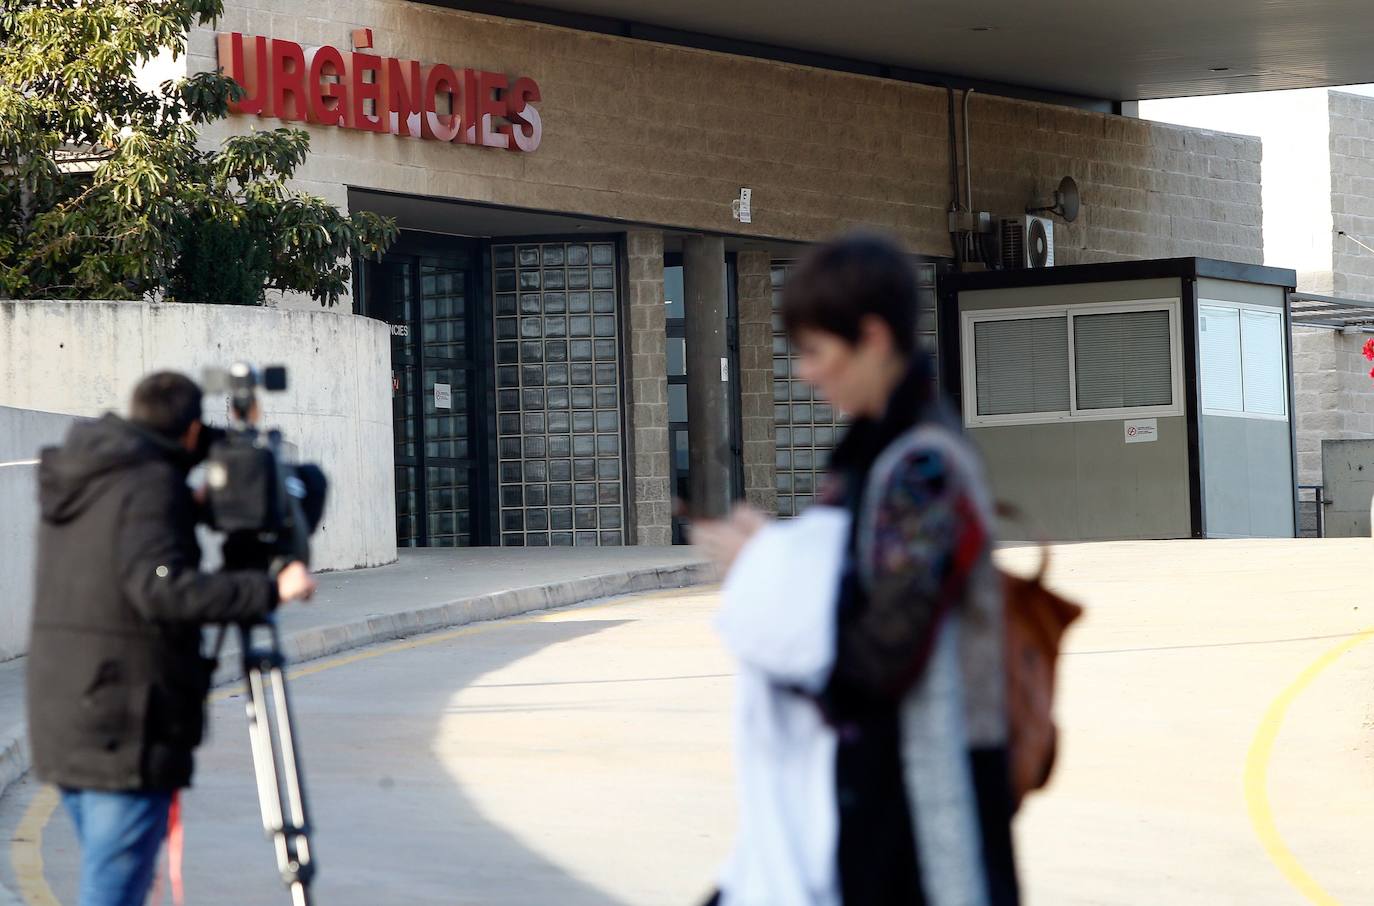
<point x="1257" y="776"/>
<point x="26" y="847"/>
<point x="26" y="850"/>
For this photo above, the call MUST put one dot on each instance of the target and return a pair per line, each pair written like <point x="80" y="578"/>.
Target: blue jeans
<point x="120" y="836"/>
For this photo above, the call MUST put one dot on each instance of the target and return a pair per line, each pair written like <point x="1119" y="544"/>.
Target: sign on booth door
<point x="443" y="396"/>
<point x="1142" y="431"/>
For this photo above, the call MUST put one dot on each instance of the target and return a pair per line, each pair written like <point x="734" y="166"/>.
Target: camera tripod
<point x="276" y="764"/>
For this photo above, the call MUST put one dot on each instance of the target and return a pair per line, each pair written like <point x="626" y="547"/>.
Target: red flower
<point x="1371" y="372"/>
<point x="1369" y="349"/>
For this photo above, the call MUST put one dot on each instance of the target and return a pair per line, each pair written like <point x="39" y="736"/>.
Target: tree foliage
<point x="152" y="212"/>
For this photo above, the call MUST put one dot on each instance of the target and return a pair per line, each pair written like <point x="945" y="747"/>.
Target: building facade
<point x="595" y="229"/>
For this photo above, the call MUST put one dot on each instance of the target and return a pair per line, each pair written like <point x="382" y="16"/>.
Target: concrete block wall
<point x="23" y="432"/>
<point x="648" y="388"/>
<point x="648" y="133"/>
<point x="1150" y="190"/>
<point x="755" y="296"/>
<point x="1334" y="393"/>
<point x="84" y="358"/>
<point x="1352" y="194"/>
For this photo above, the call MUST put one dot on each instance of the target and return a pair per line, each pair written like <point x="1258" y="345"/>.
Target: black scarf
<point x="912" y="402"/>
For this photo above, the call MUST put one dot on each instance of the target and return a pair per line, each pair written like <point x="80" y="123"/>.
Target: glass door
<point x="431" y="298"/>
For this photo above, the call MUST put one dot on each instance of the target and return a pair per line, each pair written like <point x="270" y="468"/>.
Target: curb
<point x="312" y="644"/>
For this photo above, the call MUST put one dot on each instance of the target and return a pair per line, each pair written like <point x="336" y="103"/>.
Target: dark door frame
<point x="676" y="329"/>
<point x="372" y="302"/>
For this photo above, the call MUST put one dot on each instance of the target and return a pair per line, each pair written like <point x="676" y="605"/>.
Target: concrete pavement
<point x="423" y="591"/>
<point x="582" y="756"/>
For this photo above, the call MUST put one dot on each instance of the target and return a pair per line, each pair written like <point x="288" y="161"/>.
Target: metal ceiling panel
<point x="1115" y="49"/>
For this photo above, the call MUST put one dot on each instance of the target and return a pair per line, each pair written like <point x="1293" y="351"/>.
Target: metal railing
<point x="1318" y="504"/>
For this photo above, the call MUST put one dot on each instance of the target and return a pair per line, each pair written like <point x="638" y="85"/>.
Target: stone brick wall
<point x="652" y="134"/>
<point x="647" y="402"/>
<point x="1352" y="194"/>
<point x="755" y="293"/>
<point x="1334" y="394"/>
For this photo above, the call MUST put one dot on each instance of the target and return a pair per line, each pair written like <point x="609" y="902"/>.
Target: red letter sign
<point x="288" y="78"/>
<point x="526" y="129"/>
<point x="249" y="70"/>
<point x="328" y="91"/>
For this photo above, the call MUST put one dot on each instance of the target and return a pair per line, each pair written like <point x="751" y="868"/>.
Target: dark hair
<point x="840" y="283"/>
<point x="167" y="403"/>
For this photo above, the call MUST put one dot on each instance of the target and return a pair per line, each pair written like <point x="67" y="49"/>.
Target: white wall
<point x="84" y="358"/>
<point x="22" y="434"/>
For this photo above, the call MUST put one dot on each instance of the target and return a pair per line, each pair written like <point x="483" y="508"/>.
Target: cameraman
<point x="116" y="679"/>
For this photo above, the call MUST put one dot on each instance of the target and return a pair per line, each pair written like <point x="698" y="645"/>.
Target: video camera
<point x="268" y="509"/>
<point x="266" y="506"/>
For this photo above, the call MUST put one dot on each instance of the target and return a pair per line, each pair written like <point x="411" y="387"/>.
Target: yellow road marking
<point x="26" y="847"/>
<point x="26" y="852"/>
<point x="1257" y="776"/>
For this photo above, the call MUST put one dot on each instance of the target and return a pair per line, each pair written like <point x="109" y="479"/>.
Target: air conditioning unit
<point x="1025" y="241"/>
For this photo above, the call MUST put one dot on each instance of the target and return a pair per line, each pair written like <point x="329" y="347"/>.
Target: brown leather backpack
<point x="1036" y="620"/>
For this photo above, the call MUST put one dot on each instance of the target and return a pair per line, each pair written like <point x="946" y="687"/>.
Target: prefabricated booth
<point x="1132" y="400"/>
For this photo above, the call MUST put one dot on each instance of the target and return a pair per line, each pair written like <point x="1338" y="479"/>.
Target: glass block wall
<point x="558" y="383"/>
<point x="806" y="428"/>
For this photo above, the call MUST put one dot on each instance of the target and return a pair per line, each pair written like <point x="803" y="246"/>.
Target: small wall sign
<point x="443" y="396"/>
<point x="1142" y="431"/>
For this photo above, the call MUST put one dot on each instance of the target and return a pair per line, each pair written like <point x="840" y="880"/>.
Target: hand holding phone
<point x="721" y="540"/>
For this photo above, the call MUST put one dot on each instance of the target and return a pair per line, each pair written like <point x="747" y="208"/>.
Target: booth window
<point x="1022" y="365"/>
<point x="1084" y="363"/>
<point x="1242" y="361"/>
<point x="1122" y="360"/>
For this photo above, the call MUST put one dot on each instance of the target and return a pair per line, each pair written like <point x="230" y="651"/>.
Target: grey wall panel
<point x="1251" y="293"/>
<point x="1247" y="472"/>
<point x="1083" y="482"/>
<point x="1070" y="294"/>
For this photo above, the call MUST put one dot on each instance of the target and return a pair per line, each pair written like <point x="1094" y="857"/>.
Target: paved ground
<point x="581" y="756"/>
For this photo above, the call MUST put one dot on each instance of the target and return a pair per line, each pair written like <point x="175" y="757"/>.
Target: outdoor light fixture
<point x="1356" y="241"/>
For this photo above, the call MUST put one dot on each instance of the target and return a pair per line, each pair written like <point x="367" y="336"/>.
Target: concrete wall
<point x="1335" y="396"/>
<point x="1334" y="392"/>
<point x="1295" y="129"/>
<point x="1349" y="469"/>
<point x="1351" y="153"/>
<point x="648" y="390"/>
<point x="22" y="434"/>
<point x="757" y="422"/>
<point x="84" y="358"/>
<point x="649" y="133"/>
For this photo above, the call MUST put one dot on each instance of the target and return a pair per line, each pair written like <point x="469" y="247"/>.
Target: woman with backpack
<point x="871" y="710"/>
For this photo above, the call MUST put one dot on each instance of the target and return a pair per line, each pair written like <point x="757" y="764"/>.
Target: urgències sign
<point x="371" y="93"/>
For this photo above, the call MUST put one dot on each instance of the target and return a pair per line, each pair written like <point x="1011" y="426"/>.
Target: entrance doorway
<point x="431" y="295"/>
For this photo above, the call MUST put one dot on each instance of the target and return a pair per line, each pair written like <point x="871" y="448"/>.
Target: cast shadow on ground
<point x="393" y="825"/>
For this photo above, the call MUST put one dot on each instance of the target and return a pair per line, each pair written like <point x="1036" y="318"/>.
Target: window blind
<point x="1123" y="360"/>
<point x="1022" y="366"/>
<point x="1262" y="364"/>
<point x="1220" y="366"/>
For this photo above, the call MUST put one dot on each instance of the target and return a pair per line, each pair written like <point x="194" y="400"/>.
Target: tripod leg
<point x="281" y="794"/>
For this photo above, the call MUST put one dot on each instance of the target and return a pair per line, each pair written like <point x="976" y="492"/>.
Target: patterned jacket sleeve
<point x="913" y="561"/>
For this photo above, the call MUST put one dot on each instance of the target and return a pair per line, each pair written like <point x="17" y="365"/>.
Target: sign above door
<point x="363" y="91"/>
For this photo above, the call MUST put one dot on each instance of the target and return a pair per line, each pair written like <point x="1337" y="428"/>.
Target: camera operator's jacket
<point x="116" y="680"/>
